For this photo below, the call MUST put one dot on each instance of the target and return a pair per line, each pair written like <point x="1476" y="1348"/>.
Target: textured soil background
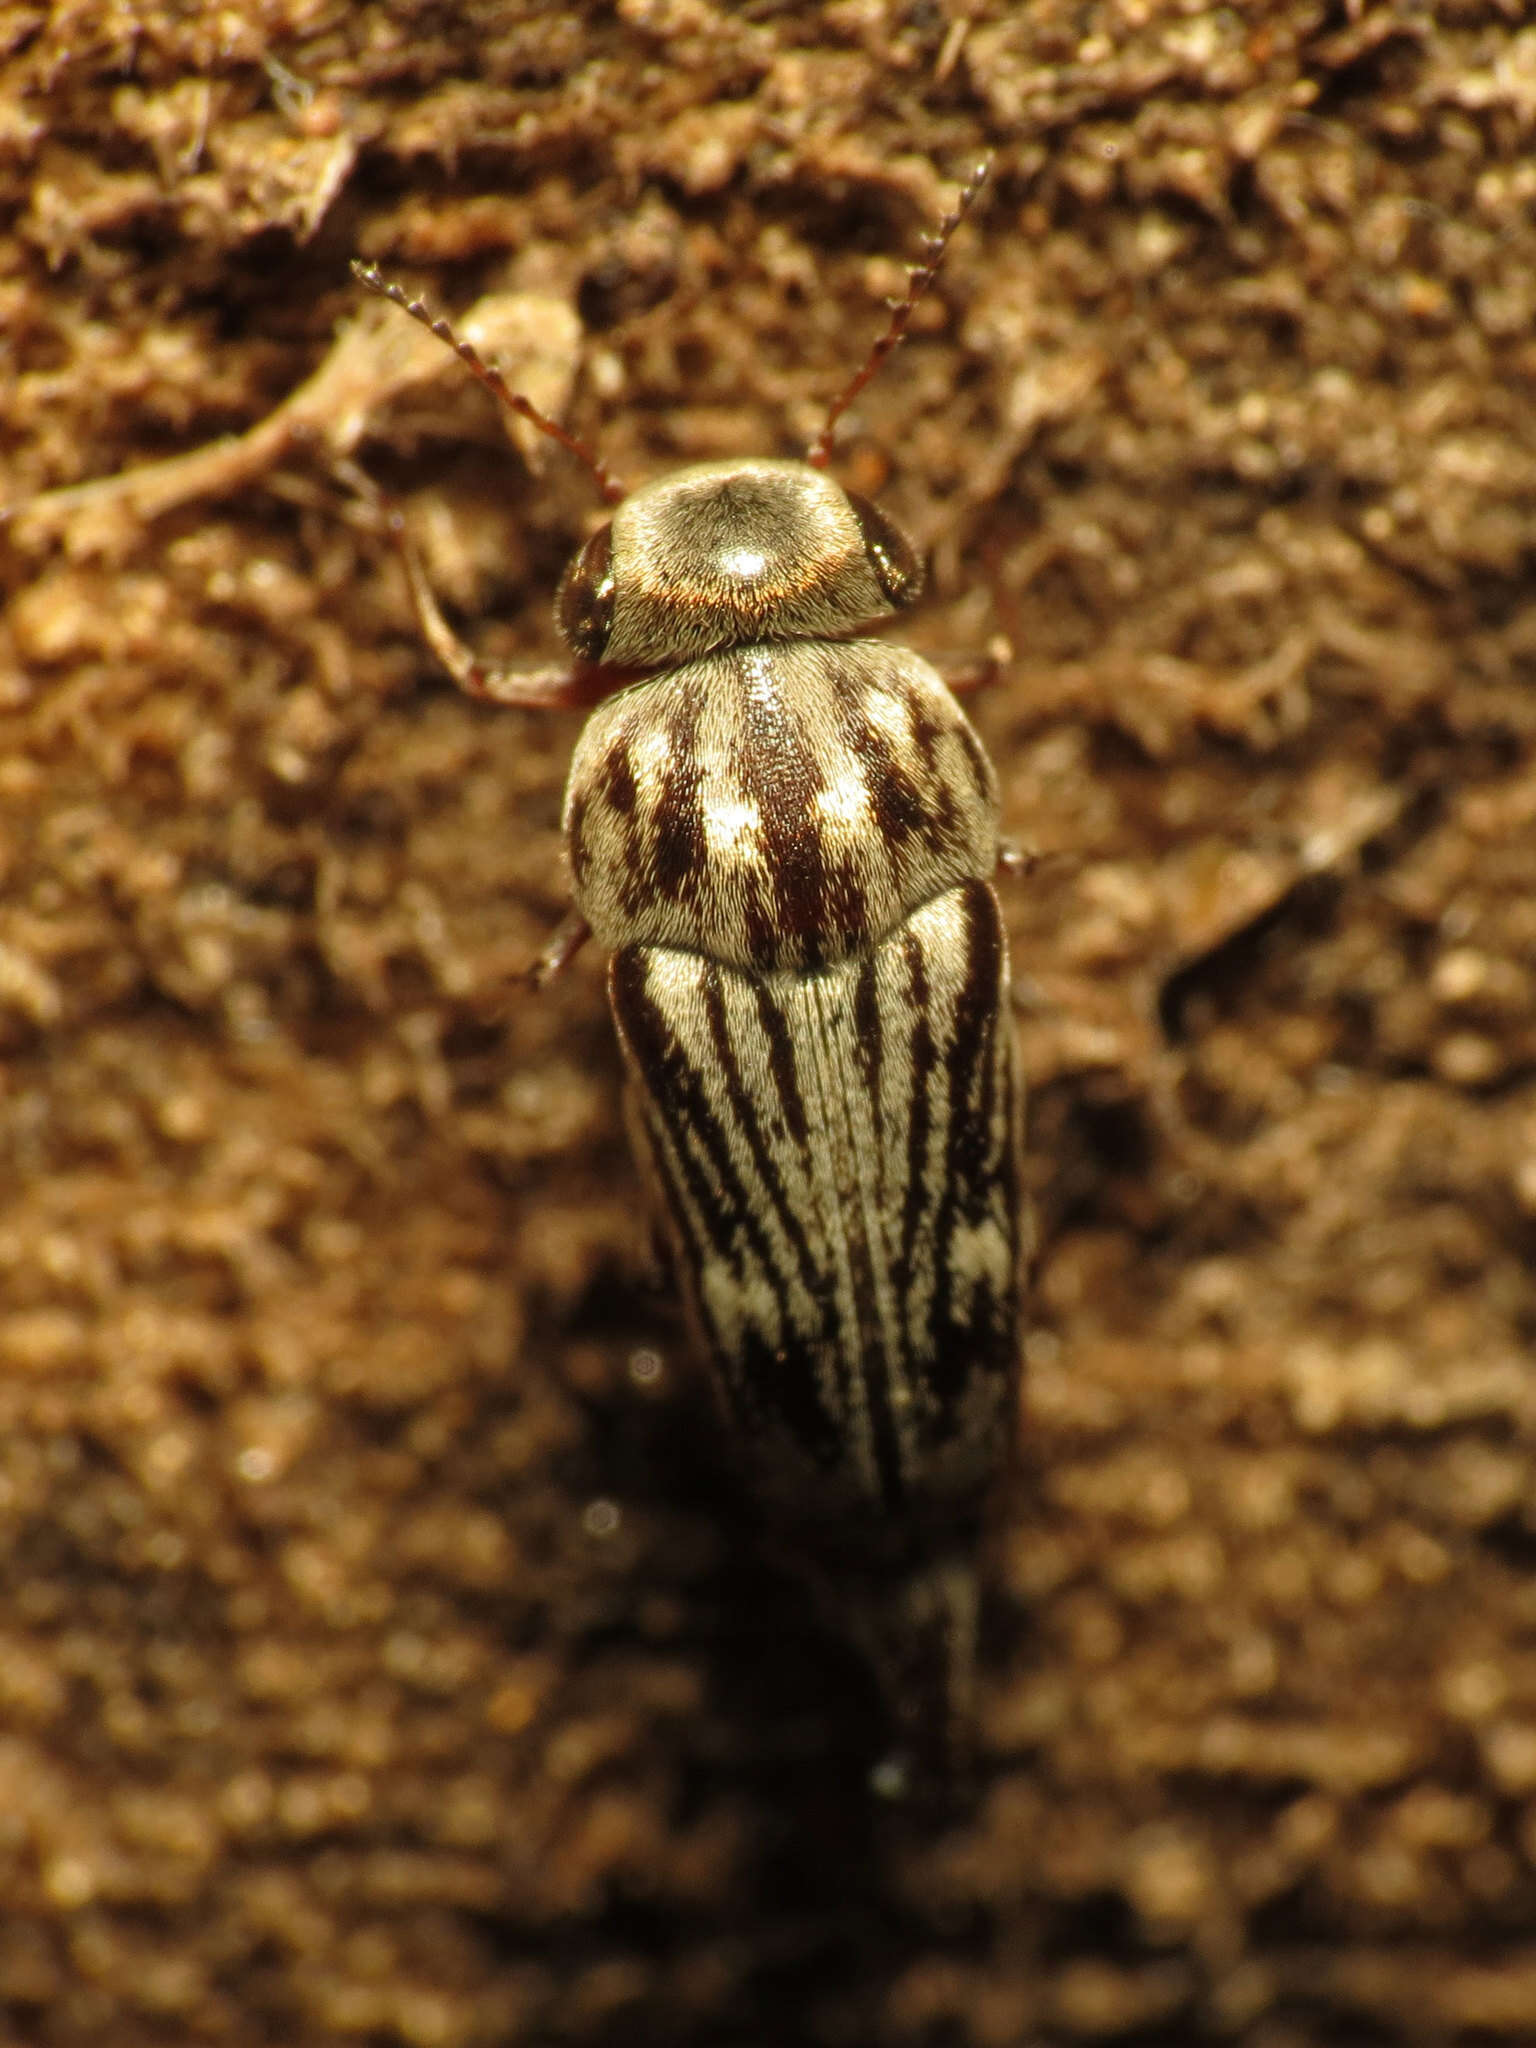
<point x="375" y="1663"/>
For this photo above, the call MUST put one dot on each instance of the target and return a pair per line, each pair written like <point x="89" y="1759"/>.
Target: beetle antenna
<point x="374" y="280"/>
<point x="919" y="278"/>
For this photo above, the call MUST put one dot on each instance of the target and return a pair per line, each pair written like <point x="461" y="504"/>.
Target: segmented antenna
<point x="373" y="279"/>
<point x="919" y="278"/>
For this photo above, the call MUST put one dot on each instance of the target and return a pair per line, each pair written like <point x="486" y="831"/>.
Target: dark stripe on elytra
<point x="920" y="1060"/>
<point x="901" y="810"/>
<point x="848" y="917"/>
<point x="714" y="1208"/>
<point x="971" y="1158"/>
<point x="944" y="1350"/>
<point x="869" y="1050"/>
<point x="668" y="1079"/>
<point x="745" y="1108"/>
<point x="843" y="1352"/>
<point x="677" y="855"/>
<point x="860" y="1350"/>
<point x="781" y="776"/>
<point x="689" y="1250"/>
<point x="611" y="788"/>
<point x="689" y="1197"/>
<point x="919" y="822"/>
<point x="781" y="1061"/>
<point x="868" y="1041"/>
<point x="946" y="827"/>
<point x="616" y="775"/>
<point x="926" y="732"/>
<point x="966" y="1182"/>
<point x="994" y="1312"/>
<point x="783" y="1067"/>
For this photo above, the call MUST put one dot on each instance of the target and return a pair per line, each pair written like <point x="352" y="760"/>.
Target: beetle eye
<point x="891" y="555"/>
<point x="584" y="608"/>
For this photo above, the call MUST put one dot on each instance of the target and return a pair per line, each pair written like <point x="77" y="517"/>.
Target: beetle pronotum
<point x="785" y="836"/>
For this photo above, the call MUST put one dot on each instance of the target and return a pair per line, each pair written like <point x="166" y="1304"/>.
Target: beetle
<point x="785" y="836"/>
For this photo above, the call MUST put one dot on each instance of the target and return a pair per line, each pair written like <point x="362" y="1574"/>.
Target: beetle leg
<point x="975" y="671"/>
<point x="560" y="949"/>
<point x="506" y="984"/>
<point x="553" y="686"/>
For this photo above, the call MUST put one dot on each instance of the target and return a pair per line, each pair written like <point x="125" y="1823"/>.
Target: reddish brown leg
<point x="557" y="686"/>
<point x="966" y="673"/>
<point x="560" y="949"/>
<point x="507" y="984"/>
<point x="554" y="687"/>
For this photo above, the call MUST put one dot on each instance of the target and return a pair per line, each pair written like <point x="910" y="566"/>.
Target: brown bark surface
<point x="375" y="1662"/>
